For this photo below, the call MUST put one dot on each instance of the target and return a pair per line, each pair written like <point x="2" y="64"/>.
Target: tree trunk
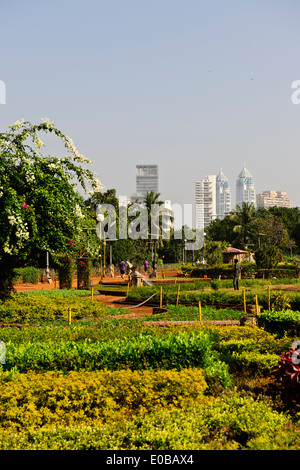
<point x="7" y="266"/>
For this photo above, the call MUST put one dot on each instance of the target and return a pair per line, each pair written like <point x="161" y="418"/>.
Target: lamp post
<point x="100" y="218"/>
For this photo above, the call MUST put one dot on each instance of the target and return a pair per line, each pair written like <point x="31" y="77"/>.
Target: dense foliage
<point x="41" y="208"/>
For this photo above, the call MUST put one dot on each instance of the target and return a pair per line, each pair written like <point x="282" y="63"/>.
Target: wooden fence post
<point x="177" y="300"/>
<point x="69" y="316"/>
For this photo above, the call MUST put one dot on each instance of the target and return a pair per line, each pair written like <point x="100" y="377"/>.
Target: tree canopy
<point x="41" y="207"/>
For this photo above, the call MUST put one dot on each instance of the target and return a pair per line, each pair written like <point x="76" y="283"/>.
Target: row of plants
<point x="61" y="413"/>
<point x="249" y="271"/>
<point x="216" y="297"/>
<point x="111" y="383"/>
<point x="159" y="405"/>
<point x="49" y="305"/>
<point x="60" y="398"/>
<point x="141" y="348"/>
<point x="175" y="350"/>
<point x="285" y="322"/>
<point x="190" y="313"/>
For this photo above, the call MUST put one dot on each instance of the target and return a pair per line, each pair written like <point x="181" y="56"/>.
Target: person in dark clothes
<point x="236" y="274"/>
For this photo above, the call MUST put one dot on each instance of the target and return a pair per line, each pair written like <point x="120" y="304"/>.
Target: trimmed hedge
<point x="25" y="307"/>
<point x="281" y="323"/>
<point x="79" y="397"/>
<point x="228" y="423"/>
<point x="248" y="271"/>
<point x="173" y="351"/>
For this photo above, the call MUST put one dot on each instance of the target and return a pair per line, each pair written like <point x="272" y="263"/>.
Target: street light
<point x="100" y="218"/>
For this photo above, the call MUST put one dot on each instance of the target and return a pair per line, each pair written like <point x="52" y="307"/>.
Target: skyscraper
<point x="146" y="181"/>
<point x="205" y="201"/>
<point x="223" y="196"/>
<point x="245" y="190"/>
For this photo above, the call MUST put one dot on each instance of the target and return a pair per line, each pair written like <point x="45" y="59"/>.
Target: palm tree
<point x="152" y="199"/>
<point x="242" y="216"/>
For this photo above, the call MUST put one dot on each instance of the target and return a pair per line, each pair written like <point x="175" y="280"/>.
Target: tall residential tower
<point x="205" y="201"/>
<point x="245" y="190"/>
<point x="223" y="196"/>
<point x="146" y="181"/>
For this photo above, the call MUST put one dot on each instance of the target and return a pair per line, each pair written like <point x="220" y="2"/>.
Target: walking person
<point x="130" y="269"/>
<point x="236" y="274"/>
<point x="122" y="267"/>
<point x="146" y="265"/>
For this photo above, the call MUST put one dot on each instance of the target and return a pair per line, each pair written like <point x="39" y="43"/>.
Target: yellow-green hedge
<point x="33" y="400"/>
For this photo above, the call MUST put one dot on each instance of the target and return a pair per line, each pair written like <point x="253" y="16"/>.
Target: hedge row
<point x="248" y="271"/>
<point x="217" y="298"/>
<point x="281" y="323"/>
<point x="175" y="350"/>
<point x="228" y="423"/>
<point x="24" y="308"/>
<point x="33" y="400"/>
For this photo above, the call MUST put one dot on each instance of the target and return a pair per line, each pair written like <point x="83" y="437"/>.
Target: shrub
<point x="66" y="273"/>
<point x="171" y="351"/>
<point x="288" y="375"/>
<point x="252" y="363"/>
<point x="228" y="423"/>
<point x="281" y="323"/>
<point x="280" y="300"/>
<point x="84" y="269"/>
<point x="24" y="308"/>
<point x="56" y="398"/>
<point x="28" y="275"/>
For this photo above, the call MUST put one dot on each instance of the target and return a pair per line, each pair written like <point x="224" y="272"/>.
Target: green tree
<point x="103" y="197"/>
<point x="272" y="238"/>
<point x="214" y="252"/>
<point x="242" y="217"/>
<point x="40" y="204"/>
<point x="221" y="230"/>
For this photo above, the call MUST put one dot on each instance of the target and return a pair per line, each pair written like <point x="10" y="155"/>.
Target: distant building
<point x="146" y="181"/>
<point x="271" y="199"/>
<point x="223" y="196"/>
<point x="205" y="201"/>
<point x="245" y="190"/>
<point x="230" y="254"/>
<point x="124" y="201"/>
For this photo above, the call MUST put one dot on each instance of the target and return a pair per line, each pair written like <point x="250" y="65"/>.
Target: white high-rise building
<point x="245" y="190"/>
<point x="223" y="196"/>
<point x="205" y="201"/>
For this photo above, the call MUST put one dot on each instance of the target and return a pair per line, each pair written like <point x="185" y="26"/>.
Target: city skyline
<point x="211" y="88"/>
<point x="215" y="187"/>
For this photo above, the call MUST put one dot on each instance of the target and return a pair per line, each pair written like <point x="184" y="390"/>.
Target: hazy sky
<point x="189" y="85"/>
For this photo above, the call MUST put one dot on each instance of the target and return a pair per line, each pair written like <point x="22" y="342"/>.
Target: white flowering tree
<point x="41" y="207"/>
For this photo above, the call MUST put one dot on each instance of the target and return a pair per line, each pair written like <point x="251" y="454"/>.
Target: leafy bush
<point x="253" y="363"/>
<point x="26" y="307"/>
<point x="280" y="300"/>
<point x="28" y="275"/>
<point x="289" y="376"/>
<point x="281" y="323"/>
<point x="179" y="351"/>
<point x="57" y="398"/>
<point x="66" y="273"/>
<point x="228" y="423"/>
